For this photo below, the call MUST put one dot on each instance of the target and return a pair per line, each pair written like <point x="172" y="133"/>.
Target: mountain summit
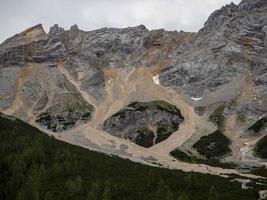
<point x="118" y="90"/>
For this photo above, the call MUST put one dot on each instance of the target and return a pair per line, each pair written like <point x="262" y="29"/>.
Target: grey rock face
<point x="229" y="50"/>
<point x="231" y="44"/>
<point x="145" y="123"/>
<point x="54" y="101"/>
<point x="57" y="103"/>
<point x="14" y="51"/>
<point x="91" y="77"/>
<point x="56" y="30"/>
<point x="8" y="86"/>
<point x="249" y="5"/>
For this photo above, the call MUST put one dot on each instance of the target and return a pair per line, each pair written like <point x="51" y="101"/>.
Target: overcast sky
<point x="187" y="15"/>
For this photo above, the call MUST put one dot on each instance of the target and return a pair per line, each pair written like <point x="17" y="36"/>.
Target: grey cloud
<point x="187" y="15"/>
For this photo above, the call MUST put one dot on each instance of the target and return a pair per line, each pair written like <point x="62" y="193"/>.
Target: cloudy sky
<point x="187" y="15"/>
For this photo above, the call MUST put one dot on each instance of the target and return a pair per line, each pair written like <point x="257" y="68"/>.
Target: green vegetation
<point x="86" y="116"/>
<point x="260" y="149"/>
<point x="213" y="145"/>
<point x="153" y="105"/>
<point x="259" y="125"/>
<point x="183" y="196"/>
<point x="145" y="138"/>
<point x="182" y="156"/>
<point x="163" y="132"/>
<point x="35" y="166"/>
<point x="262" y="171"/>
<point x="218" y="118"/>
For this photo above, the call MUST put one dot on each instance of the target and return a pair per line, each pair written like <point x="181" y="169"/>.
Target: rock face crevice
<point x="145" y="123"/>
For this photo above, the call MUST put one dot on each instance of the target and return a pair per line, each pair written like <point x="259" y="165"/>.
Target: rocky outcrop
<point x="146" y="123"/>
<point x="231" y="45"/>
<point x="8" y="87"/>
<point x="250" y="5"/>
<point x="65" y="113"/>
<point x="57" y="104"/>
<point x="14" y="50"/>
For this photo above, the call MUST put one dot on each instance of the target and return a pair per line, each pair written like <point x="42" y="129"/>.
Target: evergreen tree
<point x="74" y="186"/>
<point x="95" y="192"/>
<point x="33" y="183"/>
<point x="163" y="191"/>
<point x="183" y="196"/>
<point x="213" y="195"/>
<point x="21" y="195"/>
<point x="48" y="196"/>
<point x="107" y="190"/>
<point x="169" y="195"/>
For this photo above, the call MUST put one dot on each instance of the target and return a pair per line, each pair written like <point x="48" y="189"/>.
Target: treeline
<point x="34" y="166"/>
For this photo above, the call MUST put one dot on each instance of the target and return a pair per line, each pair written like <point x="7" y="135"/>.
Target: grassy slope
<point x="213" y="145"/>
<point x="153" y="105"/>
<point x="36" y="166"/>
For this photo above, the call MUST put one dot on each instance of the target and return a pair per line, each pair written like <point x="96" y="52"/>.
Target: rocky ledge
<point x="145" y="123"/>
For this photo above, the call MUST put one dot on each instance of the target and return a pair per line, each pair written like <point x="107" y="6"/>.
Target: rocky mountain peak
<point x="249" y="5"/>
<point x="219" y="16"/>
<point x="55" y="30"/>
<point x="74" y="27"/>
<point x="141" y="27"/>
<point x="34" y="33"/>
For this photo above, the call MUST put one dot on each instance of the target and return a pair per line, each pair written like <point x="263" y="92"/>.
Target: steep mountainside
<point x="81" y="86"/>
<point x="36" y="166"/>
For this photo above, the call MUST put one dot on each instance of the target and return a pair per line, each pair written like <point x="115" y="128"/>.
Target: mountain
<point x="148" y="95"/>
<point x="36" y="166"/>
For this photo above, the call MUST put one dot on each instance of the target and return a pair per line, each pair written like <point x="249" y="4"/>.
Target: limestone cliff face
<point x="59" y="78"/>
<point x="45" y="71"/>
<point x="229" y="50"/>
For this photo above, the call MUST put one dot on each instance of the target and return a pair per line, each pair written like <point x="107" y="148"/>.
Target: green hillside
<point x="34" y="166"/>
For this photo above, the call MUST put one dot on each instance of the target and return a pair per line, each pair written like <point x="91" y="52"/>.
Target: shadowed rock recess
<point x="145" y="123"/>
